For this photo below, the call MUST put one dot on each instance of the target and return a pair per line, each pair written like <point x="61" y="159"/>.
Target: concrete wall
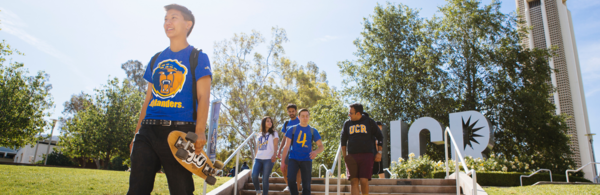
<point x="27" y="154"/>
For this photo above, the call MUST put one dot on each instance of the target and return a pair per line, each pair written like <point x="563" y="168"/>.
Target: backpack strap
<point x="312" y="137"/>
<point x="193" y="65"/>
<point x="153" y="61"/>
<point x="293" y="133"/>
<point x="285" y="125"/>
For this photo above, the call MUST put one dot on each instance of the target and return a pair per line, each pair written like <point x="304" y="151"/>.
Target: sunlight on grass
<point x="546" y="189"/>
<point x="52" y="180"/>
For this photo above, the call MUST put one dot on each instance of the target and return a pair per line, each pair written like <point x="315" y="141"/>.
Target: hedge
<point x="512" y="178"/>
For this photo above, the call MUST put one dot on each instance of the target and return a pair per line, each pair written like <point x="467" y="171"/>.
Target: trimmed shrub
<point x="57" y="159"/>
<point x="424" y="167"/>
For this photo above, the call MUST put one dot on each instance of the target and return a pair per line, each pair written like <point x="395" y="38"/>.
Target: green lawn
<point x="51" y="180"/>
<point x="546" y="189"/>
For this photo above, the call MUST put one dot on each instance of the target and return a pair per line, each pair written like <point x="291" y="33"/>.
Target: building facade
<point x="33" y="153"/>
<point x="551" y="26"/>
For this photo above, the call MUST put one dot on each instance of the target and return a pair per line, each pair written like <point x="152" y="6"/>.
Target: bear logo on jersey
<point x="168" y="78"/>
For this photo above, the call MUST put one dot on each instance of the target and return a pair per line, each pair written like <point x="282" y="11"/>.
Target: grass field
<point x="546" y="189"/>
<point x="52" y="180"/>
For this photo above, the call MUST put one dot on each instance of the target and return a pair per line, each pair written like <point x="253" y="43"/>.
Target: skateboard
<point x="182" y="147"/>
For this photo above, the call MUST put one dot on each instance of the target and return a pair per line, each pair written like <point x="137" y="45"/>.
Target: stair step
<point x="316" y="180"/>
<point x="252" y="192"/>
<point x="372" y="188"/>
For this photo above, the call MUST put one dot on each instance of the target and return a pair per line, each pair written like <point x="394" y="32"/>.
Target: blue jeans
<point x="150" y="152"/>
<point x="265" y="167"/>
<point x="305" y="168"/>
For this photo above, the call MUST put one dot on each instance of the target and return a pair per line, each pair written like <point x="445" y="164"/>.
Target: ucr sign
<point x="470" y="129"/>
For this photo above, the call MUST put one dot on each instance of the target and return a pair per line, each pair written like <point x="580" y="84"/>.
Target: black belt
<point x="165" y="122"/>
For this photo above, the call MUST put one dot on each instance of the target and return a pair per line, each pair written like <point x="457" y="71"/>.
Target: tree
<point x="492" y="73"/>
<point x="24" y="101"/>
<point x="469" y="59"/>
<point x="104" y="129"/>
<point x="77" y="128"/>
<point x="399" y="73"/>
<point x="262" y="86"/>
<point x="135" y="73"/>
<point x="328" y="117"/>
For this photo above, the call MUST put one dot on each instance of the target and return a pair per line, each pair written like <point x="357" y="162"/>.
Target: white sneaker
<point x="259" y="192"/>
<point x="287" y="189"/>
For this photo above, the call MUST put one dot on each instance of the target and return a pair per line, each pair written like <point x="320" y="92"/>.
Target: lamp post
<point x="594" y="171"/>
<point x="50" y="141"/>
<point x="37" y="144"/>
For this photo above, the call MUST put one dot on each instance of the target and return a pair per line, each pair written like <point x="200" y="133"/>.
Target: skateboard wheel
<point x="218" y="165"/>
<point x="181" y="154"/>
<point x="191" y="136"/>
<point x="210" y="180"/>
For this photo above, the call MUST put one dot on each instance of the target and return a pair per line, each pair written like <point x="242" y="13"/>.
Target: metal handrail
<point x="458" y="157"/>
<point x="237" y="160"/>
<point x="536" y="173"/>
<point x="275" y="174"/>
<point x="392" y="175"/>
<point x="329" y="172"/>
<point x="571" y="170"/>
<point x="326" y="170"/>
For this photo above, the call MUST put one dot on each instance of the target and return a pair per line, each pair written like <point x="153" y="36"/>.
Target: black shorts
<point x="377" y="168"/>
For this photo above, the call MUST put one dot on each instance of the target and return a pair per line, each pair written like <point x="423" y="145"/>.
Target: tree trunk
<point x="97" y="161"/>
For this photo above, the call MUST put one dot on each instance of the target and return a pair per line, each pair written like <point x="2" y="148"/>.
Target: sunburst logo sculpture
<point x="469" y="132"/>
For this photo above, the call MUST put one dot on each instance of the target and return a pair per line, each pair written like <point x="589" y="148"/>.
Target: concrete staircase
<point x="377" y="186"/>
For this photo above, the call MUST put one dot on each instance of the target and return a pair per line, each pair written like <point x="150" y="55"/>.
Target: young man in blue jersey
<point x="299" y="140"/>
<point x="171" y="104"/>
<point x="291" y="110"/>
<point x="358" y="135"/>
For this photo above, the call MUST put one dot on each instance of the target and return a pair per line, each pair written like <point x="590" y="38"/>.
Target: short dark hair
<point x="292" y="106"/>
<point x="379" y="123"/>
<point x="303" y="110"/>
<point x="187" y="14"/>
<point x="357" y="107"/>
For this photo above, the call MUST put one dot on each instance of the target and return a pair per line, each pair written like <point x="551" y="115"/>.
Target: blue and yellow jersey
<point x="301" y="141"/>
<point x="172" y="84"/>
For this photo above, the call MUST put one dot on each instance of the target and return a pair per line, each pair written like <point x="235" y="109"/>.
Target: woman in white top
<point x="266" y="145"/>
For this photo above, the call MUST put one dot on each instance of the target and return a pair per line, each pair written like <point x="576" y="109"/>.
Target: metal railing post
<point x="392" y="175"/>
<point x="275" y="174"/>
<point x="446" y="148"/>
<point x="326" y="170"/>
<point x="237" y="172"/>
<point x="521" y="178"/>
<point x="474" y="176"/>
<point x="326" y="182"/>
<point x="339" y="168"/>
<point x="571" y="170"/>
<point x="457" y="172"/>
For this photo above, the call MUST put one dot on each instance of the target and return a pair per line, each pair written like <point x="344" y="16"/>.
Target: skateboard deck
<point x="199" y="165"/>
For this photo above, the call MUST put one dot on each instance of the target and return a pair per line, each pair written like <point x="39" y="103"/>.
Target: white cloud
<point x="12" y="24"/>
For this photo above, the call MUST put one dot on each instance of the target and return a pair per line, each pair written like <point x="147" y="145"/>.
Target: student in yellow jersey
<point x="299" y="139"/>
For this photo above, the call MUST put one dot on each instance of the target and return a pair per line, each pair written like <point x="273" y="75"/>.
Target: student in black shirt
<point x="358" y="135"/>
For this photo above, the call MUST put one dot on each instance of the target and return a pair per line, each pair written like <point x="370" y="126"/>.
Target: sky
<point x="82" y="44"/>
